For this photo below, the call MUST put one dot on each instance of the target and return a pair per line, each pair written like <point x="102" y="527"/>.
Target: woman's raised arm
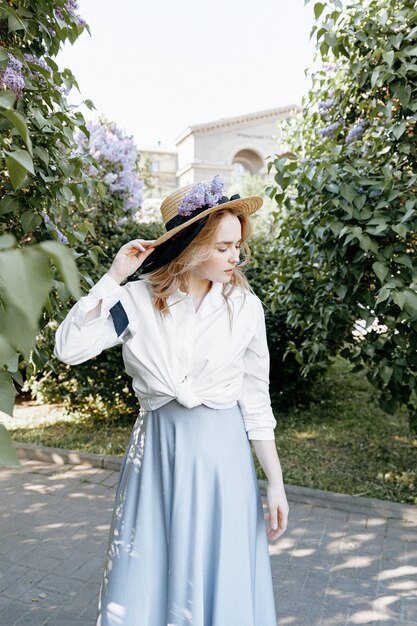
<point x="89" y="326"/>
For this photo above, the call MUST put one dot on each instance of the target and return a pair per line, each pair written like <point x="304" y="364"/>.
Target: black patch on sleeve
<point x="120" y="318"/>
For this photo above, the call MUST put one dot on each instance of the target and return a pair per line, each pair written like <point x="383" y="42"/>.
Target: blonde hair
<point x="174" y="275"/>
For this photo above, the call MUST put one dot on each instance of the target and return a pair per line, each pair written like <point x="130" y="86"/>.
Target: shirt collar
<point x="212" y="300"/>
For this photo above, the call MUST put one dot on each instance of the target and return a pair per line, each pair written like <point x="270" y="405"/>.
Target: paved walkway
<point x="332" y="567"/>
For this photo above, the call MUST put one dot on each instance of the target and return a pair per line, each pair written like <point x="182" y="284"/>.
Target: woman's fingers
<point x="139" y="244"/>
<point x="277" y="515"/>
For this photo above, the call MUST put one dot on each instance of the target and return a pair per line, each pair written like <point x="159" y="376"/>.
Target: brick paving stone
<point x="332" y="567"/>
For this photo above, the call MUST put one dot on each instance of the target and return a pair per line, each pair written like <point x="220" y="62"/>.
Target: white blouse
<point x="190" y="355"/>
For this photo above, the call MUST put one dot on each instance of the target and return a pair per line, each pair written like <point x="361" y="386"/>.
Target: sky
<point x="156" y="67"/>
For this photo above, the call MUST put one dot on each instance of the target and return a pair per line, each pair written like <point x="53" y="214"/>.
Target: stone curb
<point x="295" y="493"/>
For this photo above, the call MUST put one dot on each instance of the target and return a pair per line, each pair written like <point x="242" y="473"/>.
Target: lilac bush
<point x="116" y="157"/>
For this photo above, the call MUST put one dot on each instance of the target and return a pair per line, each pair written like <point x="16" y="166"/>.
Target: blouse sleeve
<point x="76" y="340"/>
<point x="255" y="401"/>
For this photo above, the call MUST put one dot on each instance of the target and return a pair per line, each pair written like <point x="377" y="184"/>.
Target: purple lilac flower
<point x="71" y="6"/>
<point x="62" y="90"/>
<point x="117" y="157"/>
<point x="217" y="186"/>
<point x="329" y="130"/>
<point x="47" y="220"/>
<point x="326" y="105"/>
<point x="309" y="161"/>
<point x="61" y="237"/>
<point x="13" y="80"/>
<point x="14" y="63"/>
<point x="32" y="59"/>
<point x="331" y="68"/>
<point x="355" y="133"/>
<point x="202" y="194"/>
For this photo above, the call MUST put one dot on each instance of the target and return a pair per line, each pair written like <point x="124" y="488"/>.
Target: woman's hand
<point x="278" y="510"/>
<point x="129" y="258"/>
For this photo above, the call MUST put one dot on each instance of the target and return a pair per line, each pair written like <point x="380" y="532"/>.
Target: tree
<point x="346" y="244"/>
<point x="39" y="179"/>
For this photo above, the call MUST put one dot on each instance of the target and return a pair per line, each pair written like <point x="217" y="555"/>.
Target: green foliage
<point x="346" y="244"/>
<point x="40" y="180"/>
<point x="287" y="387"/>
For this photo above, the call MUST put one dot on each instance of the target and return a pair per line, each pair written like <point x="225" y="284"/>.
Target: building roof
<point x="164" y="149"/>
<point x="236" y="120"/>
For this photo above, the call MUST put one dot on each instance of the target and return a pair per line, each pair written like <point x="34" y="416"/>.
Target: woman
<point x="188" y="542"/>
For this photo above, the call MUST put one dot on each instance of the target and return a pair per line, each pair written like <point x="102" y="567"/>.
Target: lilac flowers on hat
<point x="202" y="194"/>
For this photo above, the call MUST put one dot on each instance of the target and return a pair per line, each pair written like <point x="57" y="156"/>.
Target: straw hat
<point x="175" y="222"/>
<point x="185" y="212"/>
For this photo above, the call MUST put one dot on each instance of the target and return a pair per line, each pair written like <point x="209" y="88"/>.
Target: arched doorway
<point x="247" y="162"/>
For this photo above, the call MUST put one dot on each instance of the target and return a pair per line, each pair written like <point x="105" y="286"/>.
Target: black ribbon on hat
<point x="166" y="252"/>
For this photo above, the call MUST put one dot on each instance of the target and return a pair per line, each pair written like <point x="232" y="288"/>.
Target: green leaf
<point x="318" y="9"/>
<point x="9" y="204"/>
<point x="399" y="129"/>
<point x="8" y="356"/>
<point x="19" y="123"/>
<point x="7" y="241"/>
<point x="42" y="154"/>
<point x="399" y="298"/>
<point x="380" y="270"/>
<point x="400" y="229"/>
<point x="348" y="192"/>
<point x="30" y="221"/>
<point x="383" y="295"/>
<point x="102" y="190"/>
<point x="375" y="76"/>
<point x="89" y="103"/>
<point x="341" y="290"/>
<point x="7" y="99"/>
<point x="410" y="303"/>
<point x="8" y="456"/>
<point x="386" y="373"/>
<point x="365" y="242"/>
<point x="333" y="188"/>
<point x="388" y="56"/>
<point x="64" y="261"/>
<point x="18" y="164"/>
<point x="7" y="393"/>
<point x="411" y="52"/>
<point x="29" y="269"/>
<point x="404" y="259"/>
<point x="403" y="93"/>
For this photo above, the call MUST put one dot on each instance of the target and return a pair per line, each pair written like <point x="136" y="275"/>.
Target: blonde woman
<point x="188" y="542"/>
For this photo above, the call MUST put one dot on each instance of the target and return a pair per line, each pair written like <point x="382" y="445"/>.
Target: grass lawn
<point x="342" y="442"/>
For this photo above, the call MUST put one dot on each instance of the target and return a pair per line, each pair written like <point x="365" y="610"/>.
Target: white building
<point x="241" y="144"/>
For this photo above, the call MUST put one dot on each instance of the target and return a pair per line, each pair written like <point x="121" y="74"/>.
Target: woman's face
<point x="225" y="252"/>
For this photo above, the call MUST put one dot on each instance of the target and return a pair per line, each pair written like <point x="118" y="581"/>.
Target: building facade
<point x="238" y="144"/>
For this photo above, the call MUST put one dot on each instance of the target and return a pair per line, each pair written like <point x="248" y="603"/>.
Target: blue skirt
<point x="188" y="543"/>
